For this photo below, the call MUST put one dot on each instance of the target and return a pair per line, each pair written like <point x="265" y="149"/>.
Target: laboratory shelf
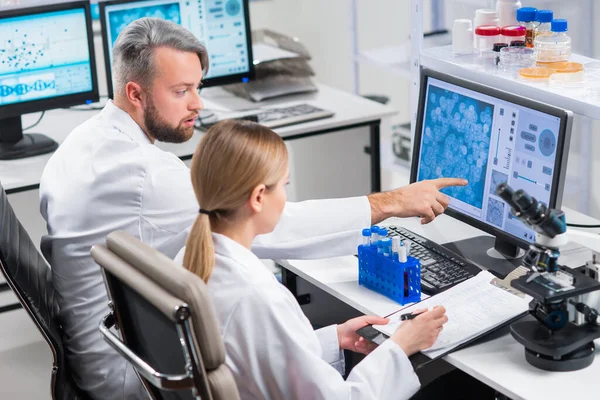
<point x="471" y="68"/>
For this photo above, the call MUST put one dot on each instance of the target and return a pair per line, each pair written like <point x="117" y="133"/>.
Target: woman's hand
<point x="350" y="340"/>
<point x="421" y="332"/>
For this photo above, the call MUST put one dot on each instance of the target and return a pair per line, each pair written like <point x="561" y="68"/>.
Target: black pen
<point x="409" y="316"/>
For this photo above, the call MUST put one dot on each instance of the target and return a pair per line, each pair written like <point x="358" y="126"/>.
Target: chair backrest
<point x="169" y="331"/>
<point x="30" y="278"/>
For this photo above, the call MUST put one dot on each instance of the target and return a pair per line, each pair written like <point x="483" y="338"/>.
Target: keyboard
<point x="440" y="268"/>
<point x="283" y="116"/>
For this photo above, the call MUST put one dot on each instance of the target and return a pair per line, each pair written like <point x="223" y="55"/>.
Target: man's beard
<point x="160" y="129"/>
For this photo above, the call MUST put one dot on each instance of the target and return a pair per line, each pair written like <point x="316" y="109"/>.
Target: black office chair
<point x="30" y="278"/>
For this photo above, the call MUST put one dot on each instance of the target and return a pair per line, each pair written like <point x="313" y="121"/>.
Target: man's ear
<point x="135" y="95"/>
<point x="257" y="198"/>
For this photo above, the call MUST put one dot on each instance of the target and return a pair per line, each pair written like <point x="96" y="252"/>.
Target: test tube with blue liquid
<point x="386" y="244"/>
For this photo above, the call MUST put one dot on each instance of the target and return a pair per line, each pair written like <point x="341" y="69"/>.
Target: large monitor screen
<point x="221" y="25"/>
<point x="488" y="137"/>
<point x="44" y="55"/>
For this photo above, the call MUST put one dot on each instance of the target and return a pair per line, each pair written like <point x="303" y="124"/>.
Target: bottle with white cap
<point x="462" y="37"/>
<point x="507" y="12"/>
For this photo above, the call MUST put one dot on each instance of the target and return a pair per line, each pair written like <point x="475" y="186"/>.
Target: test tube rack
<point x="399" y="281"/>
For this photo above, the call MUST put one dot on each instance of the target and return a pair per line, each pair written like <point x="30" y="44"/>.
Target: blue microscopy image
<point x="456" y="142"/>
<point x="119" y="19"/>
<point x="495" y="212"/>
<point x="497" y="178"/>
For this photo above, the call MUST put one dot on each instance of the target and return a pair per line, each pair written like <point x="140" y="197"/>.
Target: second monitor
<point x="471" y="131"/>
<point x="222" y="26"/>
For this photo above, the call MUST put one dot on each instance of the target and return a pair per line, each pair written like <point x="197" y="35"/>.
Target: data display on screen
<point x="44" y="55"/>
<point x="486" y="140"/>
<point x="219" y="24"/>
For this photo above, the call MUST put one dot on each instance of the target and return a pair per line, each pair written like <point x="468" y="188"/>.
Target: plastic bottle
<point x="545" y="18"/>
<point x="507" y="12"/>
<point x="462" y="37"/>
<point x="366" y="234"/>
<point x="527" y="17"/>
<point x="555" y="47"/>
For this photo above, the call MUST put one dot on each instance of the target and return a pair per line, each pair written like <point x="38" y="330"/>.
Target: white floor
<point x="25" y="359"/>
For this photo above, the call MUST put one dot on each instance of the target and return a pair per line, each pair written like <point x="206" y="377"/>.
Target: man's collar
<point x="122" y="121"/>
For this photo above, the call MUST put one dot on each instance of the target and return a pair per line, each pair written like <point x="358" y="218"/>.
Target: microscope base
<point x="568" y="349"/>
<point x="577" y="360"/>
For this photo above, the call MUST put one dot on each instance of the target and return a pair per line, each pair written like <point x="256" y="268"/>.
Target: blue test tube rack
<point x="399" y="281"/>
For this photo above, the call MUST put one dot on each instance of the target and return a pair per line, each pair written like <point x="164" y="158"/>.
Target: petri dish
<point x="535" y="74"/>
<point x="515" y="58"/>
<point x="563" y="66"/>
<point x="568" y="80"/>
<point x="592" y="70"/>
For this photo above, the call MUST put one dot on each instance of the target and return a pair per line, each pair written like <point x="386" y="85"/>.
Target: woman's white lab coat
<point x="272" y="349"/>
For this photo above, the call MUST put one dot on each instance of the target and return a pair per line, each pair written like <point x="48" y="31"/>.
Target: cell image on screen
<point x="497" y="178"/>
<point x="456" y="142"/>
<point x="44" y="55"/>
<point x="495" y="212"/>
<point x="119" y="19"/>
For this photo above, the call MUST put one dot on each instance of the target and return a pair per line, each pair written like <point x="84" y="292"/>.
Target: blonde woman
<point x="239" y="172"/>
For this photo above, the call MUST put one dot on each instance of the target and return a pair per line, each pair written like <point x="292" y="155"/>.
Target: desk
<point x="499" y="363"/>
<point x="350" y="112"/>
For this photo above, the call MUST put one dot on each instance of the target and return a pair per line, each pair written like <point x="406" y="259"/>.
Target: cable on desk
<point x="583" y="226"/>
<point x="36" y="122"/>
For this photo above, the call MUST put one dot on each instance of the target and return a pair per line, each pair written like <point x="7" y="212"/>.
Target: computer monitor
<point x="468" y="130"/>
<point x="223" y="27"/>
<point x="46" y="61"/>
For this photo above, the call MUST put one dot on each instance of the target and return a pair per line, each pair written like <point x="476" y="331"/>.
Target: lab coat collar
<point x="122" y="121"/>
<point x="229" y="248"/>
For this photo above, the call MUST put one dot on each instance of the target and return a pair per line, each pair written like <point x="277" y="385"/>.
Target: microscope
<point x="564" y="301"/>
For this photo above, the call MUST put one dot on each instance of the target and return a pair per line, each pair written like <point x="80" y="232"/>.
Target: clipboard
<point x="375" y="336"/>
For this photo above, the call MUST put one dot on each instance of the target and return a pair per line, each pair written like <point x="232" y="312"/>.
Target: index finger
<point x="438" y="311"/>
<point x="441" y="183"/>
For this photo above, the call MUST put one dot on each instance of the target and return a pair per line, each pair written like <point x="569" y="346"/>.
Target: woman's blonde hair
<point x="231" y="159"/>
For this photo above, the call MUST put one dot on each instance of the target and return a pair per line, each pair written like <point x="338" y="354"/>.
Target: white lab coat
<point x="272" y="349"/>
<point x="107" y="176"/>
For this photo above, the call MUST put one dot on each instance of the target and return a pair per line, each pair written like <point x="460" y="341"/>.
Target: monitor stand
<point x="14" y="144"/>
<point x="497" y="256"/>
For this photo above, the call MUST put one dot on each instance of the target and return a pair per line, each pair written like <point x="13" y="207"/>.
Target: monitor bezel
<point x="562" y="149"/>
<point x="216" y="81"/>
<point x="63" y="101"/>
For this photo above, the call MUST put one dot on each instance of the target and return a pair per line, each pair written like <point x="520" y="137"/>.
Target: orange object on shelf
<point x="562" y="66"/>
<point x="535" y="73"/>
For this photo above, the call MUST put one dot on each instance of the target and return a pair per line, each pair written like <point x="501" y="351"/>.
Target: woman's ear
<point x="257" y="198"/>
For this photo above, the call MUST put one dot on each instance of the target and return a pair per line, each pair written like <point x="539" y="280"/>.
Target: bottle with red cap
<point x="513" y="35"/>
<point x="485" y="37"/>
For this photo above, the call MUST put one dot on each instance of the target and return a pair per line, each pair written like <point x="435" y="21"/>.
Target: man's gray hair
<point x="133" y="52"/>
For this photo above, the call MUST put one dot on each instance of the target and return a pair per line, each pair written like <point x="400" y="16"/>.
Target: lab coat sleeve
<point x="330" y="344"/>
<point x="168" y="205"/>
<point x="316" y="229"/>
<point x="275" y="354"/>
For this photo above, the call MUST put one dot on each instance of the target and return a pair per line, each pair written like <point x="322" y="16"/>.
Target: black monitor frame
<point x="13" y="143"/>
<point x="506" y="244"/>
<point x="208" y="82"/>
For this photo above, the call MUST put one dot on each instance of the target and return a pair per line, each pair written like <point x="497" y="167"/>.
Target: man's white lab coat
<point x="107" y="176"/>
<point x="272" y="349"/>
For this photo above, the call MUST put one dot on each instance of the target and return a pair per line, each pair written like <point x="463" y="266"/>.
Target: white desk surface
<point x="499" y="363"/>
<point x="349" y="110"/>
